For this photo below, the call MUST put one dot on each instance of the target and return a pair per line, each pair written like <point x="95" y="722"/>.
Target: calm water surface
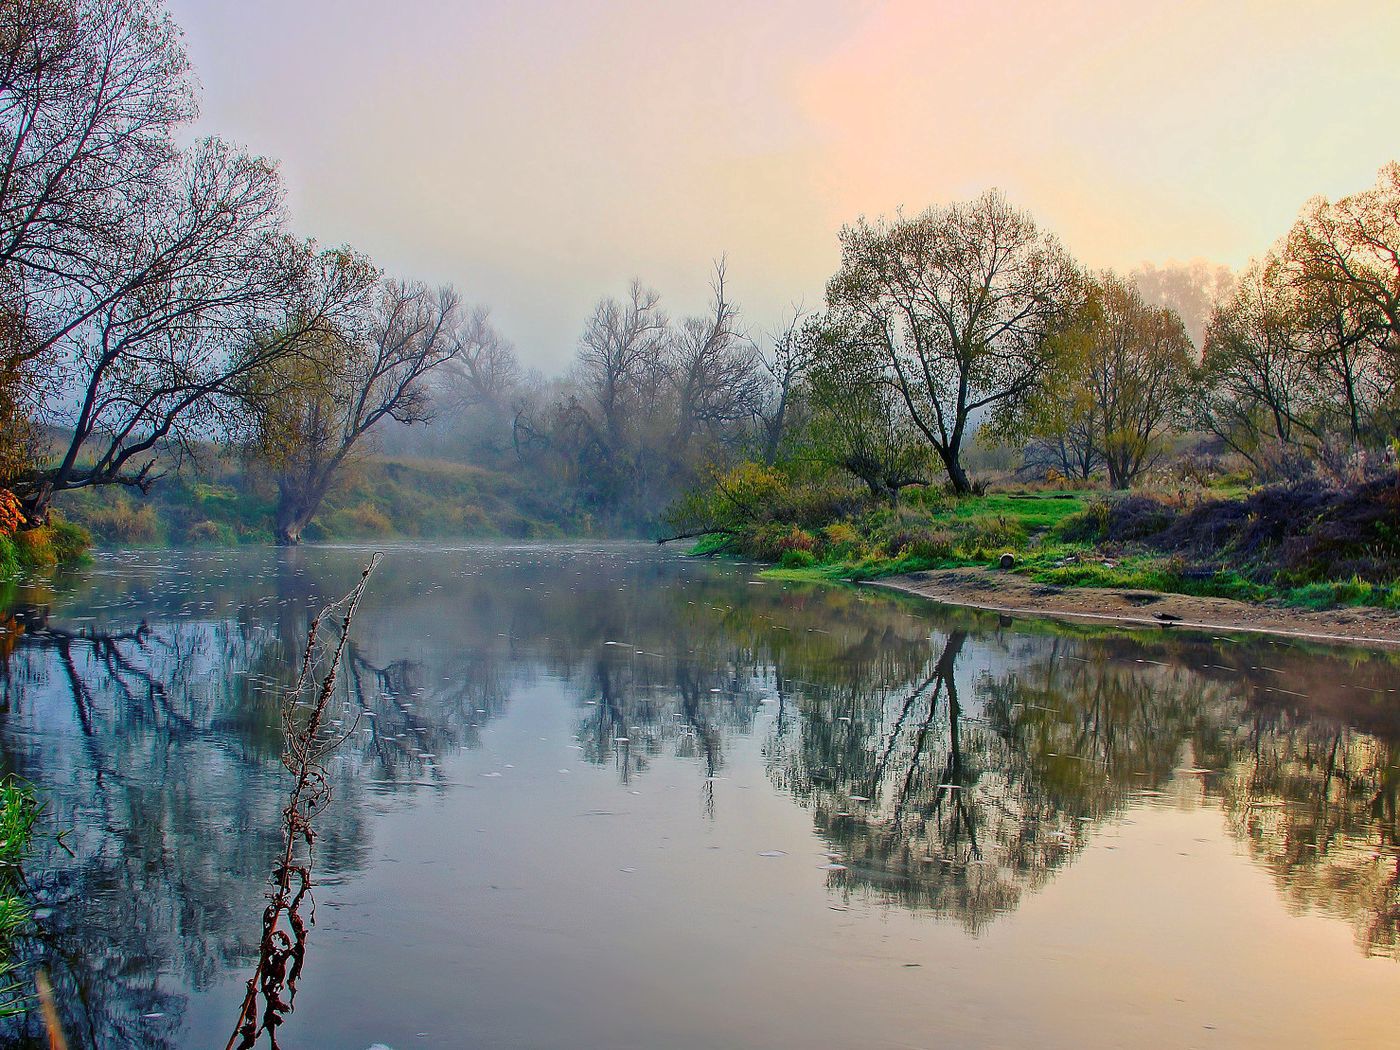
<point x="600" y="796"/>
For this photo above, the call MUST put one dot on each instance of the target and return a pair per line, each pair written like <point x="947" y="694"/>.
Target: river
<point x="606" y="796"/>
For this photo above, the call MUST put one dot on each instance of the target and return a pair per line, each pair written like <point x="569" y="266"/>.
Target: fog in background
<point x="538" y="155"/>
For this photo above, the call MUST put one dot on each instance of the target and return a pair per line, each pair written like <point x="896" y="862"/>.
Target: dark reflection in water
<point x="952" y="762"/>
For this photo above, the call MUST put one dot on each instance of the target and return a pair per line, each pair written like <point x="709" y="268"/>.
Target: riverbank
<point x="1020" y="595"/>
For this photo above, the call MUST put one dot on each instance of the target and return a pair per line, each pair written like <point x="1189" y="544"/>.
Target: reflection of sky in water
<point x="604" y="796"/>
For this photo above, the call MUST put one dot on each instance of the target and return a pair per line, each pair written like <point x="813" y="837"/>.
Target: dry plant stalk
<point x="272" y="987"/>
<point x="50" y="1012"/>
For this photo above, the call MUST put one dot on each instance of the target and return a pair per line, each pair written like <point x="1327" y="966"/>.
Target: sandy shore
<point x="1008" y="593"/>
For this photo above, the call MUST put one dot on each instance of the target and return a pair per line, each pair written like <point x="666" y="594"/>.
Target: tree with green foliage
<point x="1132" y="367"/>
<point x="858" y="423"/>
<point x="1057" y="428"/>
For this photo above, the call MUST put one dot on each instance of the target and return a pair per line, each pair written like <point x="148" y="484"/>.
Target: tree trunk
<point x="957" y="476"/>
<point x="294" y="512"/>
<point x="291" y="520"/>
<point x="36" y="505"/>
<point x="299" y="497"/>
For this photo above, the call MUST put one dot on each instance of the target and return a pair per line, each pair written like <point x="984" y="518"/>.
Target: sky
<point x="539" y="155"/>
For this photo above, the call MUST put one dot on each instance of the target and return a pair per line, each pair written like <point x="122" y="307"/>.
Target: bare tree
<point x="713" y="366"/>
<point x="620" y="406"/>
<point x="315" y="409"/>
<point x="619" y="359"/>
<point x="474" y="397"/>
<point x="90" y="92"/>
<point x="1257" y="395"/>
<point x="211" y="291"/>
<point x="650" y="405"/>
<point x="784" y="366"/>
<point x="486" y="373"/>
<point x="956" y="304"/>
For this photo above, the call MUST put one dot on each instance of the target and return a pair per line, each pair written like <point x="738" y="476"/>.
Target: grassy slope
<point x="379" y="498"/>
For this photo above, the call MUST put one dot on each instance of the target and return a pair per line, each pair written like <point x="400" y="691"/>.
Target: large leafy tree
<point x="1343" y="262"/>
<point x="956" y="305"/>
<point x="212" y="292"/>
<point x="1356" y="242"/>
<point x="1256" y="393"/>
<point x="1122" y="373"/>
<point x="1298" y="366"/>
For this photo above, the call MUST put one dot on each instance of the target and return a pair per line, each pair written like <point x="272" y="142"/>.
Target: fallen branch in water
<point x="272" y="988"/>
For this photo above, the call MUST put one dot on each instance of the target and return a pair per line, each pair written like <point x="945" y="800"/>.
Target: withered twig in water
<point x="283" y="948"/>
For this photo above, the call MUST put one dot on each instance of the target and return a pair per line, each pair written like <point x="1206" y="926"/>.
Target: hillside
<point x="380" y="497"/>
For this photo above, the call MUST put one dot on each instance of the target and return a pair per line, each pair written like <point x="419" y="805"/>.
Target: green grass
<point x="19" y="811"/>
<point x="1034" y="511"/>
<point x="939" y="533"/>
<point x="1154" y="574"/>
<point x="1335" y="593"/>
<point x="1143" y="573"/>
<point x="58" y="543"/>
<point x="866" y="569"/>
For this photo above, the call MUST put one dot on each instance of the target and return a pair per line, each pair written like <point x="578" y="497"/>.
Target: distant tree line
<point x="153" y="303"/>
<point x="967" y="319"/>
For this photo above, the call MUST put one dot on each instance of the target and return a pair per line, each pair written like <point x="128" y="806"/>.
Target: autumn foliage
<point x="11" y="517"/>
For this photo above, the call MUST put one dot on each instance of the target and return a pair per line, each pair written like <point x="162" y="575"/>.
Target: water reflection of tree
<point x="961" y="805"/>
<point x="1316" y="805"/>
<point x="931" y="806"/>
<point x="156" y="743"/>
<point x="950" y="763"/>
<point x="1102" y="720"/>
<point x="167" y="852"/>
<point x="917" y="800"/>
<point x="930" y="798"/>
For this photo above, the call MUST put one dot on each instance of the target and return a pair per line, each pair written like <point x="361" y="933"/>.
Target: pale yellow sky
<point x="539" y="154"/>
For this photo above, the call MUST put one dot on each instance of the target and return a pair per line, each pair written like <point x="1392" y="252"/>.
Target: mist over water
<point x="602" y="795"/>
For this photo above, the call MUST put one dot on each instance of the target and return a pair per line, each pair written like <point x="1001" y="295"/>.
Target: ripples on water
<point x="602" y="796"/>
